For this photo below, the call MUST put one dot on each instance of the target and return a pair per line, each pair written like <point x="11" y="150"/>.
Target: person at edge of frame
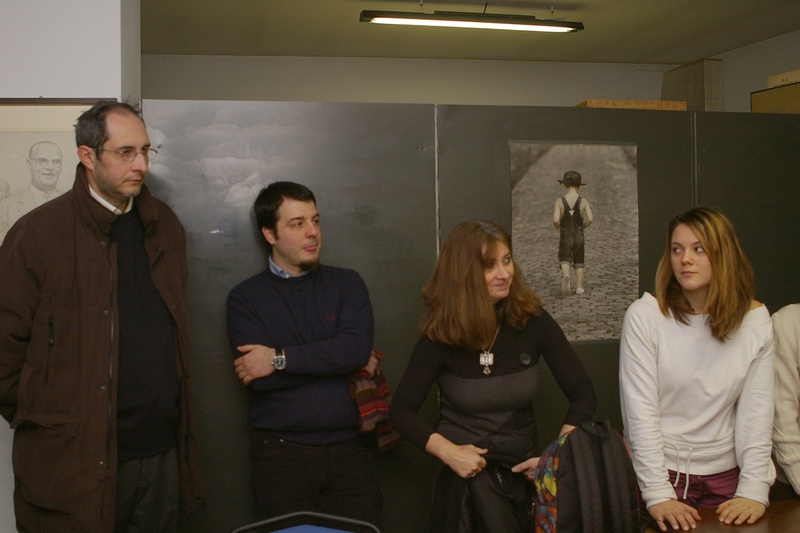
<point x="786" y="429"/>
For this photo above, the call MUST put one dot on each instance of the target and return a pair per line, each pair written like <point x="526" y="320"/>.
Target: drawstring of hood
<point x="686" y="470"/>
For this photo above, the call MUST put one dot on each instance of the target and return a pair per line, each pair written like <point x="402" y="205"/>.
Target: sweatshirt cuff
<point x="656" y="502"/>
<point x="753" y="490"/>
<point x="658" y="494"/>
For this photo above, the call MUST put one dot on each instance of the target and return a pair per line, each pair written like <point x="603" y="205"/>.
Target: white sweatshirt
<point x="679" y="392"/>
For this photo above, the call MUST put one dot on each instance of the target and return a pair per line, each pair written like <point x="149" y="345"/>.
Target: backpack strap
<point x="614" y="466"/>
<point x="620" y="478"/>
<point x="589" y="488"/>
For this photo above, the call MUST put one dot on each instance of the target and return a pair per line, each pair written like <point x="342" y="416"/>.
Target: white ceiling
<point x="617" y="31"/>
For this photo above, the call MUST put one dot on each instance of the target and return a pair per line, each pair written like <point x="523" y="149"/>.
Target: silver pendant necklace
<point x="487" y="357"/>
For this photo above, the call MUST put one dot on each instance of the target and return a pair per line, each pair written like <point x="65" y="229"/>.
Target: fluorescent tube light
<point x="450" y="19"/>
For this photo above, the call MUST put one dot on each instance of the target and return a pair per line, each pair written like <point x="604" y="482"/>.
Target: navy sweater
<point x="324" y="322"/>
<point x="147" y="399"/>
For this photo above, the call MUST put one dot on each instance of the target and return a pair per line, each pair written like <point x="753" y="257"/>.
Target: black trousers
<point x="336" y="479"/>
<point x="495" y="500"/>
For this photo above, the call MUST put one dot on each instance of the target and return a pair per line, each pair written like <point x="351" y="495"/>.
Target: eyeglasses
<point x="129" y="154"/>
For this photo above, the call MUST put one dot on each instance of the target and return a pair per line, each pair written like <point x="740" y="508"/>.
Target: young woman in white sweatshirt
<point x="696" y="380"/>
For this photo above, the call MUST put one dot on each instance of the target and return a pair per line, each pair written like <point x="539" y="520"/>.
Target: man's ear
<point x="269" y="236"/>
<point x="86" y="156"/>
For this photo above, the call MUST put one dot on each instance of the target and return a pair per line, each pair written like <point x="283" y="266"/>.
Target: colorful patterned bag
<point x="371" y="394"/>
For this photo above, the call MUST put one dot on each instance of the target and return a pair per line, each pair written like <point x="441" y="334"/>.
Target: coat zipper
<point x="110" y="378"/>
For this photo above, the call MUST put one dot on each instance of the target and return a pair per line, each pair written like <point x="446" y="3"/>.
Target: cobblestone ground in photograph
<point x="611" y="278"/>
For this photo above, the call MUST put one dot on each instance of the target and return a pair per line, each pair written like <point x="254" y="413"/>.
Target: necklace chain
<point x="487" y="357"/>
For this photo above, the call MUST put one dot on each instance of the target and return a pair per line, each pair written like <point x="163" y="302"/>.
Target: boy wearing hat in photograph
<point x="571" y="215"/>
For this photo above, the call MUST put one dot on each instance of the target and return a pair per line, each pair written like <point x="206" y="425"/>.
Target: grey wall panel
<point x="474" y="161"/>
<point x="372" y="170"/>
<point x="601" y="360"/>
<point x="749" y="166"/>
<point x="475" y="183"/>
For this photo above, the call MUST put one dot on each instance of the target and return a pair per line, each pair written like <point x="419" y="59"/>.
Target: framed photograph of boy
<point x="575" y="231"/>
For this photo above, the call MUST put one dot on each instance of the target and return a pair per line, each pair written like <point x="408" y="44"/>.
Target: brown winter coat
<point x="59" y="352"/>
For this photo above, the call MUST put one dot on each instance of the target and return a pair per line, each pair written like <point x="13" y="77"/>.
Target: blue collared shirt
<point x="278" y="271"/>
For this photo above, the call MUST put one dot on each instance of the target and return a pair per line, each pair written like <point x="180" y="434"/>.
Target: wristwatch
<point x="279" y="361"/>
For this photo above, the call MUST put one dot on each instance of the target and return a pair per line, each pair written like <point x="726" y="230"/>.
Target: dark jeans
<point x="147" y="494"/>
<point x="336" y="479"/>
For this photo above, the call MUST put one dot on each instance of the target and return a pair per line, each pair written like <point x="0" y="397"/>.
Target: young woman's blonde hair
<point x="732" y="287"/>
<point x="459" y="310"/>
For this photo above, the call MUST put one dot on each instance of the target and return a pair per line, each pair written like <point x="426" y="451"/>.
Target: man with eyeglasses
<point x="44" y="165"/>
<point x="94" y="346"/>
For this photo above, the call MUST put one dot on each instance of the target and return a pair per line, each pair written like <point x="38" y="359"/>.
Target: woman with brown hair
<point x="696" y="380"/>
<point x="483" y="334"/>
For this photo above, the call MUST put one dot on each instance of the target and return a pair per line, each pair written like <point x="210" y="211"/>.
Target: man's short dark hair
<point x="90" y="130"/>
<point x="271" y="197"/>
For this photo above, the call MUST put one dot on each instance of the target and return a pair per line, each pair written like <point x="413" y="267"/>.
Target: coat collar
<point x="100" y="218"/>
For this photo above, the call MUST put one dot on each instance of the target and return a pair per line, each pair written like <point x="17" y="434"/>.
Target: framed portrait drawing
<point x="37" y="148"/>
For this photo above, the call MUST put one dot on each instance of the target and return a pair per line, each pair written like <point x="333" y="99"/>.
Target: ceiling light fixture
<point x="452" y="19"/>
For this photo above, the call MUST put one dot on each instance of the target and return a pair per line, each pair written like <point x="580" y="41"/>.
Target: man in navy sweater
<point x="299" y="329"/>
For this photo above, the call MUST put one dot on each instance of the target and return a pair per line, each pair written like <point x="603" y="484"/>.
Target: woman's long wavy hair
<point x="732" y="286"/>
<point x="459" y="310"/>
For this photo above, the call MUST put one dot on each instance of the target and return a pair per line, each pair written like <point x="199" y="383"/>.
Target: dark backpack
<point x="585" y="483"/>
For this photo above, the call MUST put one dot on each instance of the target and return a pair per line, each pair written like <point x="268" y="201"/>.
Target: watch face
<point x="279" y="361"/>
